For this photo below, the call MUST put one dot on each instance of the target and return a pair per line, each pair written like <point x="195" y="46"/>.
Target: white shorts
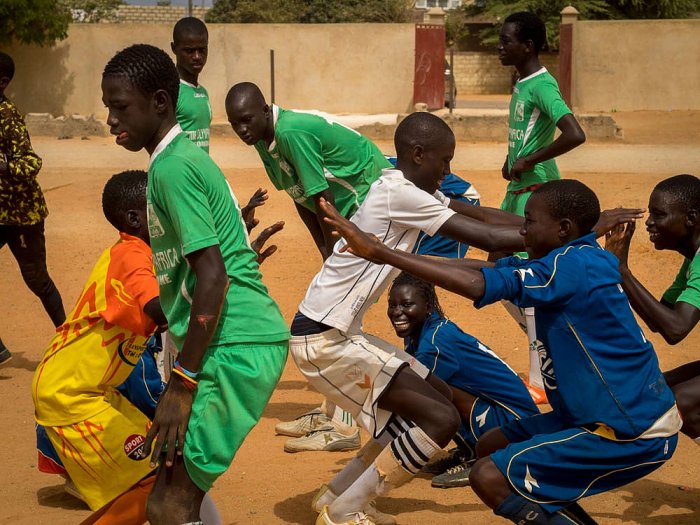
<point x="352" y="372"/>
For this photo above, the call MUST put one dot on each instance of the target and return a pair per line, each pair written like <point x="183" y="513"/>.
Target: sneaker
<point x="326" y="439"/>
<point x="360" y="518"/>
<point x="538" y="395"/>
<point x="454" y="477"/>
<point x="5" y="356"/>
<point x="70" y="488"/>
<point x="303" y="424"/>
<point x="454" y="457"/>
<point x="376" y="515"/>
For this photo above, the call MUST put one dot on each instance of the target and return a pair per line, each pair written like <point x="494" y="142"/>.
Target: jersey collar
<point x="540" y="71"/>
<point x="275" y="116"/>
<point x="188" y="84"/>
<point x="169" y="136"/>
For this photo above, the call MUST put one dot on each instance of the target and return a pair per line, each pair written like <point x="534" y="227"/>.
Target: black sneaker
<point x="457" y="476"/>
<point x="5" y="356"/>
<point x="455" y="456"/>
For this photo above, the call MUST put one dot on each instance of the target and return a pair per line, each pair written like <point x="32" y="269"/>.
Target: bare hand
<point x="617" y="241"/>
<point x="358" y="242"/>
<point x="504" y="170"/>
<point x="614" y="217"/>
<point x="518" y="167"/>
<point x="248" y="212"/>
<point x="262" y="238"/>
<point x="170" y="422"/>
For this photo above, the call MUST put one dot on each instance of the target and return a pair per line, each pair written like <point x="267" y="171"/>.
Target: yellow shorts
<point x="104" y="454"/>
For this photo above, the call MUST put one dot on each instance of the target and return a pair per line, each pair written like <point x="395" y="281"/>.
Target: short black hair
<point x="571" y="199"/>
<point x="7" y="66"/>
<point x="245" y="90"/>
<point x="123" y="192"/>
<point x="189" y="26"/>
<point x="685" y="190"/>
<point x="424" y="287"/>
<point x="146" y="67"/>
<point x="420" y="129"/>
<point x="529" y="26"/>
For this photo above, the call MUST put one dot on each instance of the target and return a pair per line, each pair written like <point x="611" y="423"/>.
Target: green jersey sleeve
<point x="686" y="286"/>
<point x="549" y="101"/>
<point x="184" y="200"/>
<point x="304" y="152"/>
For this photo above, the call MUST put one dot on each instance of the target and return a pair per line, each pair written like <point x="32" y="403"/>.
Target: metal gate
<point x="429" y="69"/>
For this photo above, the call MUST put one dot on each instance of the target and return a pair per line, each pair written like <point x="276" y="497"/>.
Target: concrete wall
<point x="636" y="65"/>
<point x="150" y="14"/>
<point x="353" y="68"/>
<point x="481" y="73"/>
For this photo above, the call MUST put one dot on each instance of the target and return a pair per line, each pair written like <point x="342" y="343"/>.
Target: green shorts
<point x="515" y="202"/>
<point x="235" y="384"/>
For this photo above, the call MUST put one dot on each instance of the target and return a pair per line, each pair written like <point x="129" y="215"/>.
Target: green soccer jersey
<point x="535" y="108"/>
<point x="311" y="154"/>
<point x="191" y="207"/>
<point x="194" y="113"/>
<point x="686" y="286"/>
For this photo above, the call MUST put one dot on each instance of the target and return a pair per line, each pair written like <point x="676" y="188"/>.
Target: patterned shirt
<point x="21" y="199"/>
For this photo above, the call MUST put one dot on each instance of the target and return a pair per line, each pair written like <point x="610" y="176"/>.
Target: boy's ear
<point x="4" y="82"/>
<point x="417" y="154"/>
<point x="566" y="228"/>
<point x="692" y="218"/>
<point x="133" y="219"/>
<point x="172" y="47"/>
<point x="161" y="99"/>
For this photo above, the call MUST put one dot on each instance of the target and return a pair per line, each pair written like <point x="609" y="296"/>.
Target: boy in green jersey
<point x="191" y="46"/>
<point x="230" y="333"/>
<point x="307" y="156"/>
<point x="673" y="224"/>
<point x="536" y="109"/>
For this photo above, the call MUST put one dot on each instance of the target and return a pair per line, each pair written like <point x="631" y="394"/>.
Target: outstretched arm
<point x="310" y="219"/>
<point x="458" y="278"/>
<point x="487" y="237"/>
<point x="673" y="322"/>
<point x="486" y="214"/>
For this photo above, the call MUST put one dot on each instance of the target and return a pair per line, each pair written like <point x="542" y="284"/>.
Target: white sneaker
<point x="360" y="518"/>
<point x="377" y="516"/>
<point x="326" y="438"/>
<point x="303" y="424"/>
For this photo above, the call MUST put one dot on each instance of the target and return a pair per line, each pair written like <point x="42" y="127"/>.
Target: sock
<point x="343" y="421"/>
<point x="523" y="512"/>
<point x="208" y="511"/>
<point x="535" y="375"/>
<point x="395" y="465"/>
<point x="353" y="470"/>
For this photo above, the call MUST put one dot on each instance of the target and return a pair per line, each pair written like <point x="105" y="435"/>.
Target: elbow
<point x="579" y="137"/>
<point x="673" y="335"/>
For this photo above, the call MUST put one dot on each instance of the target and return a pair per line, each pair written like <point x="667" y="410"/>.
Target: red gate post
<point x="429" y="69"/>
<point x="569" y="15"/>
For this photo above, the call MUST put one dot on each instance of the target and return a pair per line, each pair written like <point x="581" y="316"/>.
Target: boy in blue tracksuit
<point x="614" y="418"/>
<point x="485" y="390"/>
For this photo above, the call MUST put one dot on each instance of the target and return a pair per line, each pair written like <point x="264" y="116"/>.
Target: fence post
<point x="569" y="16"/>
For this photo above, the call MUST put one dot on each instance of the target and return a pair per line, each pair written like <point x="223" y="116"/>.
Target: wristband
<point x="190" y="384"/>
<point x="187" y="373"/>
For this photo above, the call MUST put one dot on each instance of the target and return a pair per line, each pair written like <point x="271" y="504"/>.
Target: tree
<point x="309" y="11"/>
<point x="93" y="11"/>
<point x="41" y="22"/>
<point x="549" y="11"/>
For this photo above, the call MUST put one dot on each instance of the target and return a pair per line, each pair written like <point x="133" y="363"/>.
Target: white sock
<point x="343" y="421"/>
<point x="208" y="511"/>
<point x="354" y="469"/>
<point x="535" y="376"/>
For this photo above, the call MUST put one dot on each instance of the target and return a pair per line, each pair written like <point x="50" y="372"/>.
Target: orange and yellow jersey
<point x="102" y="339"/>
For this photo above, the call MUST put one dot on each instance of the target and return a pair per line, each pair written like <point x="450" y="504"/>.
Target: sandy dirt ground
<point x="264" y="484"/>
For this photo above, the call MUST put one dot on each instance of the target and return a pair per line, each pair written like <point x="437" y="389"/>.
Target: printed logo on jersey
<point x="520" y="111"/>
<point x="522" y="272"/>
<point x="296" y="192"/>
<point x="155" y="228"/>
<point x="134" y="447"/>
<point x="129" y="352"/>
<point x="529" y="480"/>
<point x="546" y="365"/>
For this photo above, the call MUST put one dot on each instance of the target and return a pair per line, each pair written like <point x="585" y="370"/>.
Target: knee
<point x="688" y="405"/>
<point x="156" y="511"/>
<point x="36" y="278"/>
<point x="447" y="422"/>
<point x="490" y="442"/>
<point x="488" y="483"/>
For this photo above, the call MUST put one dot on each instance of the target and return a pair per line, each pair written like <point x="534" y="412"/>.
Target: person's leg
<point x="29" y="248"/>
<point x="436" y="419"/>
<point x="686" y="389"/>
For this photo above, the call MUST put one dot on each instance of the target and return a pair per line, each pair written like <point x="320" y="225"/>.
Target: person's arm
<point x="326" y="230"/>
<point x="153" y="310"/>
<point x="490" y="238"/>
<point x="21" y="162"/>
<point x="673" y="322"/>
<point x="310" y="220"/>
<point x="248" y="211"/>
<point x="571" y="136"/>
<point x="173" y="411"/>
<point x="486" y="214"/>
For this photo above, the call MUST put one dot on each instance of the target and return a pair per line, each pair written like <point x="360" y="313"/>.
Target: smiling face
<point x="667" y="221"/>
<point x="133" y="116"/>
<point x="542" y="232"/>
<point x="250" y="119"/>
<point x="191" y="52"/>
<point x="511" y="51"/>
<point x="407" y="310"/>
<point x="434" y="164"/>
